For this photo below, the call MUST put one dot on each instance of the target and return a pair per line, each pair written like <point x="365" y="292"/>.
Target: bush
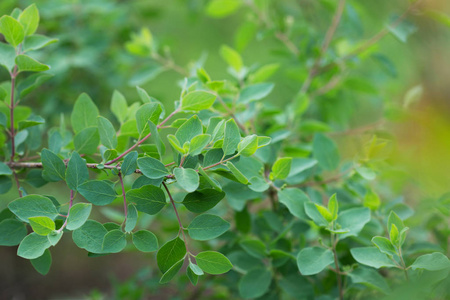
<point x="304" y="217"/>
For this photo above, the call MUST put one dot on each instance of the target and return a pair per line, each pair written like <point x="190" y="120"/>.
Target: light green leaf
<point x="86" y="141"/>
<point x="222" y="8"/>
<point x="255" y="283"/>
<point x="175" y="143"/>
<point x="132" y="217"/>
<point x="37" y="41"/>
<point x="114" y="241"/>
<point x="33" y="246"/>
<point x="77" y="172"/>
<point x="43" y="263"/>
<point x="12" y="30"/>
<point x="84" y="113"/>
<point x="193" y="278"/>
<point x="78" y="215"/>
<point x="42" y="225"/>
<point x="206" y="227"/>
<point x="54" y="167"/>
<point x="190" y="129"/>
<point x="129" y="164"/>
<point x="196" y="269"/>
<point x="170" y="253"/>
<point x="148" y="199"/>
<point x="238" y="174"/>
<point x="333" y="207"/>
<point x="188" y="179"/>
<point x="152" y="168"/>
<point x="372" y="257"/>
<point x="33" y="206"/>
<point x="7" y="56"/>
<point x="197" y="144"/>
<point x="107" y="133"/>
<point x="12" y="232"/>
<point x="145" y="241"/>
<point x="232" y="137"/>
<point x="28" y="64"/>
<point x="29" y="19"/>
<point x="371" y="200"/>
<point x="281" y="168"/>
<point x="433" y="262"/>
<point x="325" y="152"/>
<point x="213" y="262"/>
<point x="314" y="260"/>
<point x="231" y="57"/>
<point x="384" y="245"/>
<point x="173" y="270"/>
<point x="248" y="145"/>
<point x="255" y="92"/>
<point x="197" y="100"/>
<point x="119" y="106"/>
<point x="394" y="236"/>
<point x="97" y="192"/>
<point x="314" y="214"/>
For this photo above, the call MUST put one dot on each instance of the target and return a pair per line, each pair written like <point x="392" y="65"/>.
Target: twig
<point x="334" y="241"/>
<point x="72" y="194"/>
<point x="125" y="208"/>
<point x="38" y="165"/>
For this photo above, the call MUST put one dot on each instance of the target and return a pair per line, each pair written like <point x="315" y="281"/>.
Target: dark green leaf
<point x="149" y="199"/>
<point x="255" y="283"/>
<point x="43" y="263"/>
<point x="54" y="167"/>
<point x="77" y="172"/>
<point x="152" y="168"/>
<point x="204" y="200"/>
<point x="84" y="113"/>
<point x="12" y="232"/>
<point x="97" y="192"/>
<point x="114" y="241"/>
<point x="170" y="253"/>
<point x="145" y="241"/>
<point x="206" y="227"/>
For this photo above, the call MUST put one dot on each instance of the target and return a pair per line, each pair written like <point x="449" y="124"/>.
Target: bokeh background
<point x="401" y="86"/>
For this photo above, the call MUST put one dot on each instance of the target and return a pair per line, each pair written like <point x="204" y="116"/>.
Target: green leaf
<point x="12" y="232"/>
<point x="29" y="19"/>
<point x="281" y="168"/>
<point x="54" y="167"/>
<point x="175" y="143"/>
<point x="119" y="106"/>
<point x="371" y="200"/>
<point x="90" y="236"/>
<point x="433" y="262"/>
<point x="198" y="143"/>
<point x="42" y="225"/>
<point x="197" y="100"/>
<point x="33" y="246"/>
<point x="295" y="200"/>
<point x="84" y="113"/>
<point x="384" y="245"/>
<point x="86" y="141"/>
<point x="114" y="241"/>
<point x="206" y="227"/>
<point x="43" y="263"/>
<point x="333" y="207"/>
<point x="188" y="179"/>
<point x="147" y="112"/>
<point x="196" y="269"/>
<point x="255" y="248"/>
<point x="170" y="253"/>
<point x="314" y="260"/>
<point x="394" y="219"/>
<point x="255" y="92"/>
<point x="190" y="129"/>
<point x="149" y="199"/>
<point x="353" y="219"/>
<point x="155" y="134"/>
<point x="37" y="41"/>
<point x="325" y="152"/>
<point x="54" y="237"/>
<point x="204" y="200"/>
<point x="394" y="236"/>
<point x="152" y="168"/>
<point x="78" y="215"/>
<point x="312" y="211"/>
<point x="231" y="57"/>
<point x="372" y="257"/>
<point x="248" y="145"/>
<point x="369" y="277"/>
<point x="28" y="64"/>
<point x="97" y="192"/>
<point x="33" y="206"/>
<point x="193" y="278"/>
<point x="4" y="169"/>
<point x="238" y="174"/>
<point x="326" y="214"/>
<point x="12" y="30"/>
<point x="132" y="217"/>
<point x="171" y="272"/>
<point x="145" y="241"/>
<point x="107" y="133"/>
<point x="402" y="30"/>
<point x="222" y="8"/>
<point x="255" y="283"/>
<point x="7" y="56"/>
<point x="77" y="172"/>
<point x="212" y="262"/>
<point x="232" y="137"/>
<point x="129" y="164"/>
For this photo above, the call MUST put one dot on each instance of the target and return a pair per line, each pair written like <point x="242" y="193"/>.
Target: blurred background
<point x="400" y="86"/>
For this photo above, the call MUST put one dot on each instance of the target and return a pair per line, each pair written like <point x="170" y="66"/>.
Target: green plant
<point x="306" y="221"/>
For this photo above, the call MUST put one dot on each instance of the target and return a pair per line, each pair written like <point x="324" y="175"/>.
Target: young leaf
<point x="384" y="245"/>
<point x="371" y="200"/>
<point x="314" y="260"/>
<point x="33" y="206"/>
<point x="152" y="168"/>
<point x="326" y="152"/>
<point x="281" y="168"/>
<point x="238" y="174"/>
<point x="107" y="133"/>
<point x="114" y="241"/>
<point x="97" y="192"/>
<point x="248" y="145"/>
<point x="12" y="30"/>
<point x="77" y="172"/>
<point x="312" y="211"/>
<point x="206" y="227"/>
<point x="149" y="199"/>
<point x="12" y="232"/>
<point x="42" y="225"/>
<point x="326" y="214"/>
<point x="54" y="167"/>
<point x="129" y="164"/>
<point x="222" y="8"/>
<point x="175" y="143"/>
<point x="190" y="129"/>
<point x="198" y="143"/>
<point x="170" y="253"/>
<point x="197" y="100"/>
<point x="33" y="246"/>
<point x="231" y="57"/>
<point x="78" y="215"/>
<point x="394" y="236"/>
<point x="212" y="262"/>
<point x="188" y="179"/>
<point x="43" y="263"/>
<point x="28" y="64"/>
<point x="333" y="207"/>
<point x="29" y="19"/>
<point x="84" y="113"/>
<point x="255" y="283"/>
<point x="232" y="137"/>
<point x="145" y="241"/>
<point x="119" y="106"/>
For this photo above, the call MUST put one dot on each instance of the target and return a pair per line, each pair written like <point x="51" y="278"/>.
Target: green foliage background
<point x="378" y="94"/>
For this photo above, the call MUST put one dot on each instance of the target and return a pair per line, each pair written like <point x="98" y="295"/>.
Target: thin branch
<point x="170" y="64"/>
<point x="16" y="178"/>
<point x="334" y="241"/>
<point x="38" y="165"/>
<point x="178" y="216"/>
<point x="72" y="194"/>
<point x="125" y="208"/>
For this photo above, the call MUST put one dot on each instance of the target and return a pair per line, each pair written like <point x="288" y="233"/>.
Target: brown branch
<point x="38" y="165"/>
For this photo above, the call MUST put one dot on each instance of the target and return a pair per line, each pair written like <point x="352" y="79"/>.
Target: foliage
<point x="308" y="221"/>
